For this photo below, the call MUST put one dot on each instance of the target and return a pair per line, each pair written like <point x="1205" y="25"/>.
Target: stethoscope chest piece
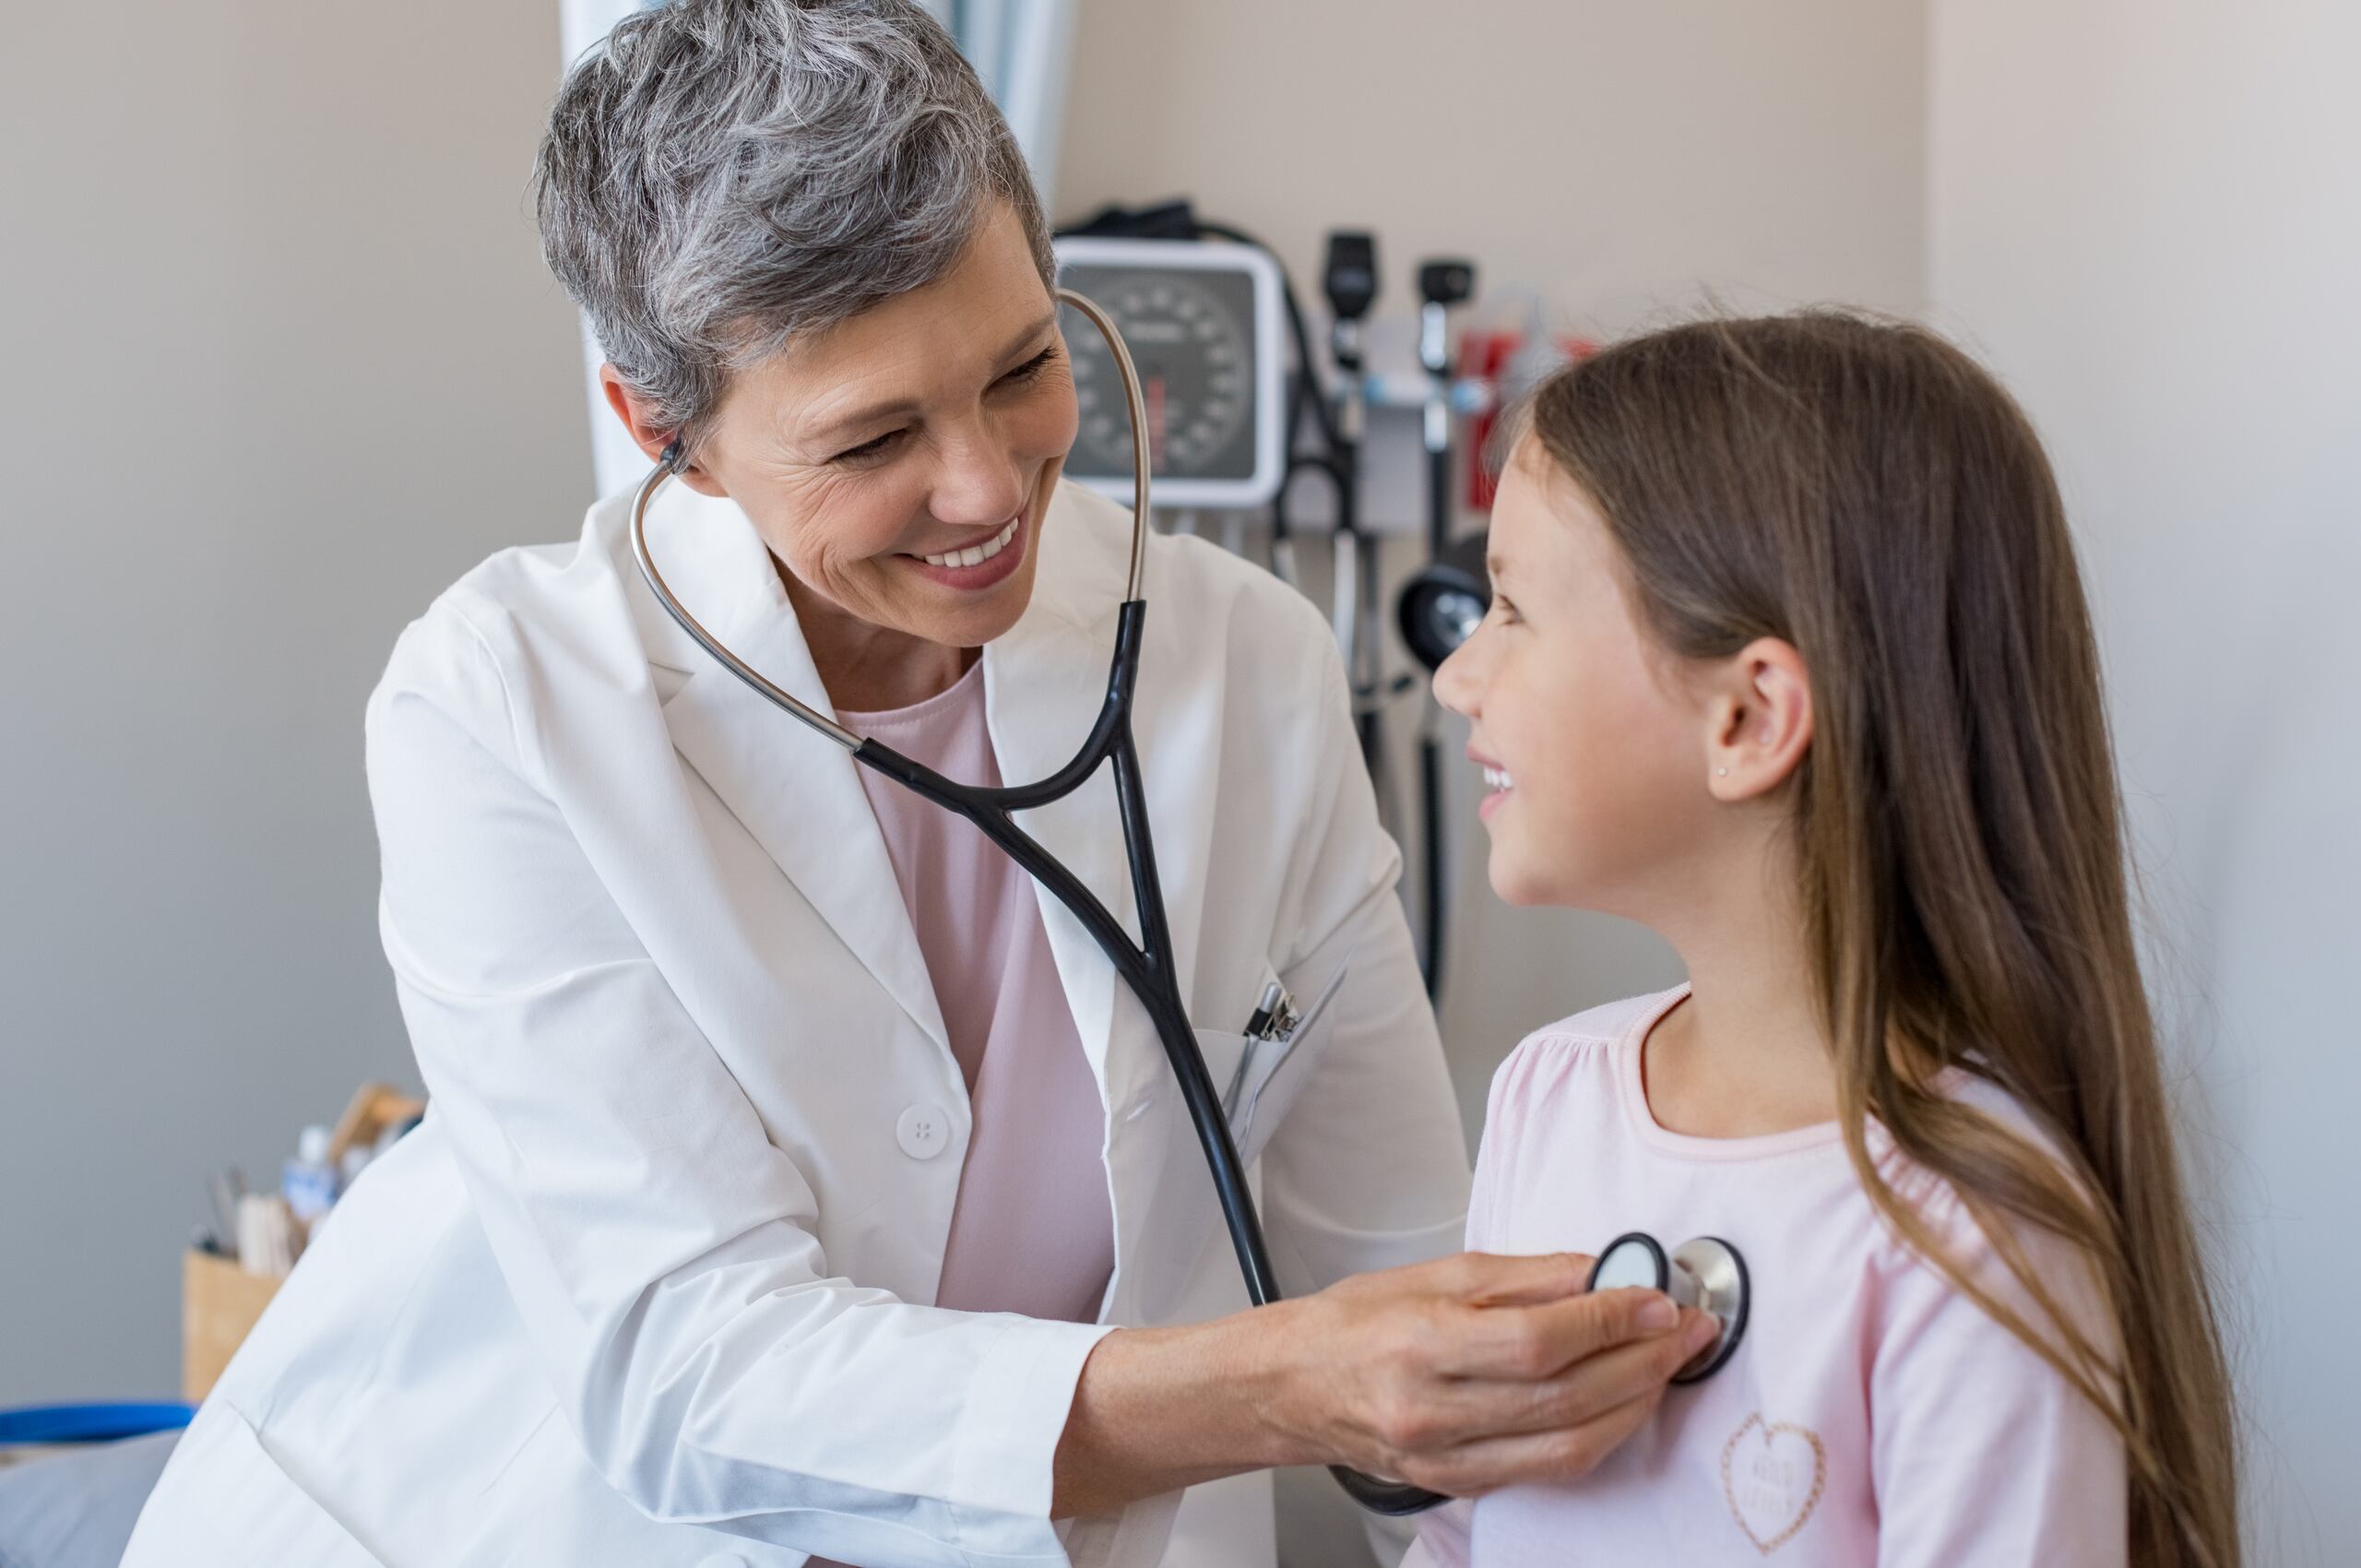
<point x="1707" y="1273"/>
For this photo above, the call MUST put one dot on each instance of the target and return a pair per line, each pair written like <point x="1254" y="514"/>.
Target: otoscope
<point x="1350" y="282"/>
<point x="1441" y="284"/>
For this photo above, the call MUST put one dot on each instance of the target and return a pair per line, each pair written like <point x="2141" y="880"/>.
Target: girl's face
<point x="1589" y="743"/>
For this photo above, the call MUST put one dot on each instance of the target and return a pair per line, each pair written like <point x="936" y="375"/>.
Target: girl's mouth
<point x="1499" y="785"/>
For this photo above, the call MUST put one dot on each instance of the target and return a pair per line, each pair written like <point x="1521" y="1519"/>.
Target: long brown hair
<point x="1865" y="491"/>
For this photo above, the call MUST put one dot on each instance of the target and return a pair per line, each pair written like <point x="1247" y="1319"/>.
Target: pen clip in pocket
<point x="1274" y="1021"/>
<point x="1280" y="1028"/>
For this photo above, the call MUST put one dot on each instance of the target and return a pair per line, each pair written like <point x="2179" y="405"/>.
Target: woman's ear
<point x="649" y="436"/>
<point x="1760" y="721"/>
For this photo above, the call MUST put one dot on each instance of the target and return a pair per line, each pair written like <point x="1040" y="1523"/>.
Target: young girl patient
<point x="1787" y="658"/>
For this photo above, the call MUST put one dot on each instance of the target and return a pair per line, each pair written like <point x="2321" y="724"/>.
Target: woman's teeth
<point x="980" y="553"/>
<point x="1498" y="779"/>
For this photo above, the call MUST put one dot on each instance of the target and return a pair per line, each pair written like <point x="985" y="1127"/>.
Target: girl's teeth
<point x="978" y="555"/>
<point x="1498" y="778"/>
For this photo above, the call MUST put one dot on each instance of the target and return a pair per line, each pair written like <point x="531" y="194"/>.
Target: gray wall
<point x="2147" y="217"/>
<point x="1617" y="158"/>
<point x="277" y="361"/>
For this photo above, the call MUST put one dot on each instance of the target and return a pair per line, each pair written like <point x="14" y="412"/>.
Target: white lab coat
<point x="651" y="1285"/>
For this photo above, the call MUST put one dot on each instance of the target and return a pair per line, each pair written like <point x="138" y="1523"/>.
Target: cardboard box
<point x="219" y="1304"/>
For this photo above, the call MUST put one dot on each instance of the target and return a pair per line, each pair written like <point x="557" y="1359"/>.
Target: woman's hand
<point x="1461" y="1375"/>
<point x="1476" y="1371"/>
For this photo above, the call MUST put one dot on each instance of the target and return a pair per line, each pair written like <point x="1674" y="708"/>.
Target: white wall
<point x="277" y="361"/>
<point x="2146" y="215"/>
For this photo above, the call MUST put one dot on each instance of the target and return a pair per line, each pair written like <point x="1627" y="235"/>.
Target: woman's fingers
<point x="1528" y="1342"/>
<point x="1460" y="1410"/>
<point x="1562" y="1454"/>
<point x="1395" y="1369"/>
<point x="1489" y="1279"/>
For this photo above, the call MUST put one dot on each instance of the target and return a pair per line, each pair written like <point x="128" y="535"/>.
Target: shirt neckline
<point x="1631" y="1084"/>
<point x="955" y="694"/>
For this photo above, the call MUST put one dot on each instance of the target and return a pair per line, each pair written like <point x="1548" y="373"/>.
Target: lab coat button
<point x="923" y="1130"/>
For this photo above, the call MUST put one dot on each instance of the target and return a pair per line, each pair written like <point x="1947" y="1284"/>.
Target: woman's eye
<point x="1031" y="368"/>
<point x="876" y="446"/>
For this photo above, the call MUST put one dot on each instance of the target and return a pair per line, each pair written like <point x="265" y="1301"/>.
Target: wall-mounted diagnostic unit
<point x="1207" y="330"/>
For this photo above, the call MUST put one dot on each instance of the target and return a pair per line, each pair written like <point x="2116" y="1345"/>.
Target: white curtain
<point x="614" y="460"/>
<point x="1022" y="49"/>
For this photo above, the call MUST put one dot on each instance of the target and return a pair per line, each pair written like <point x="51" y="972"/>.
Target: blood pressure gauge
<point x="1202" y="321"/>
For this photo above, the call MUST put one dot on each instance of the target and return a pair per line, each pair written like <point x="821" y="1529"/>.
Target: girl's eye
<point x="871" y="449"/>
<point x="1502" y="609"/>
<point x="1031" y="369"/>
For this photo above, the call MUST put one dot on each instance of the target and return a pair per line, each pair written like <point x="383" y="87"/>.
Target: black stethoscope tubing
<point x="1147" y="967"/>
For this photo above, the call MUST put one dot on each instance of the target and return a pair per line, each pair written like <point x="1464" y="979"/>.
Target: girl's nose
<point x="1455" y="680"/>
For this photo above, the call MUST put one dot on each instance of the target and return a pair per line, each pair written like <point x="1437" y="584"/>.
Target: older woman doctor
<point x="791" y="1167"/>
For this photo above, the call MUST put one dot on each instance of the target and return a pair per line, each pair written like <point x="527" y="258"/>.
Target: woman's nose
<point x="980" y="483"/>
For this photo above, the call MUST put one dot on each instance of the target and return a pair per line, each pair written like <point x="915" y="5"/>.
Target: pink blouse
<point x="1033" y="1232"/>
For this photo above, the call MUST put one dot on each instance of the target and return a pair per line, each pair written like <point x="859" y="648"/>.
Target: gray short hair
<point x="721" y="175"/>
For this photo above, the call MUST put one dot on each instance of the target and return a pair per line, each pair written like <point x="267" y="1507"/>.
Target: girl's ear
<point x="1760" y="717"/>
<point x="649" y="436"/>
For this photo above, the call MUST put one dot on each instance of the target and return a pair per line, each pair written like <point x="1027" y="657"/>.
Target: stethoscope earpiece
<point x="1705" y="1273"/>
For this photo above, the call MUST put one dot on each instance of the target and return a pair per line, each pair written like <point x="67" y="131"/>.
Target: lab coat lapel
<point x="1044" y="683"/>
<point x="798" y="794"/>
<point x="1045" y="680"/>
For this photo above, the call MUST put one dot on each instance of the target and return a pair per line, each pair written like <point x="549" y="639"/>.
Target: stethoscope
<point x="1705" y="1272"/>
<point x="1147" y="967"/>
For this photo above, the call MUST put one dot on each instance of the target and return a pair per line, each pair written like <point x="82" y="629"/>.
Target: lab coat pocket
<point x="1279" y="1069"/>
<point x="1180" y="1214"/>
<point x="223" y="1499"/>
<point x="1177" y="1213"/>
<point x="1222" y="1050"/>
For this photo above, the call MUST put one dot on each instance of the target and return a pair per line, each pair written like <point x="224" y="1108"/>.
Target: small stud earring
<point x="1721" y="773"/>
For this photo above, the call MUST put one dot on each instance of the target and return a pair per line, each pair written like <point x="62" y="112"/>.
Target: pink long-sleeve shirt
<point x="1871" y="1416"/>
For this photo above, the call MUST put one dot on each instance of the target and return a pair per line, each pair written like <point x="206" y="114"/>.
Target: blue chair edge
<point x="103" y="1422"/>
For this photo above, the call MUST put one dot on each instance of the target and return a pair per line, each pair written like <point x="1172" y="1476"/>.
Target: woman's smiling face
<point x="932" y="425"/>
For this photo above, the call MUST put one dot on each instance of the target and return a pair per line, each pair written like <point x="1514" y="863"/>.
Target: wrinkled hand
<point x="1476" y="1372"/>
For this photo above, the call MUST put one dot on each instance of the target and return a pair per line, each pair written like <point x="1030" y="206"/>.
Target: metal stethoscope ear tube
<point x="1707" y="1273"/>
